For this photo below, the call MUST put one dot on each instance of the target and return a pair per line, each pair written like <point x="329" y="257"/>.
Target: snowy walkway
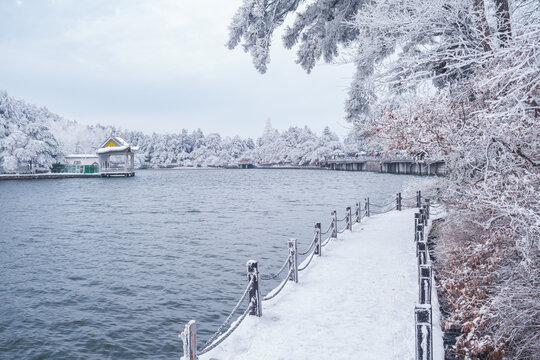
<point x="355" y="302"/>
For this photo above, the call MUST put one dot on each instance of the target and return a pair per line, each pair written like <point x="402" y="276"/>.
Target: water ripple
<point x="114" y="268"/>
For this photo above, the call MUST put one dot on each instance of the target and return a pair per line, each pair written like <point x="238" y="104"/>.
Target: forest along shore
<point x="356" y="301"/>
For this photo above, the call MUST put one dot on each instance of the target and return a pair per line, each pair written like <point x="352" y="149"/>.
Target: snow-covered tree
<point x="25" y="140"/>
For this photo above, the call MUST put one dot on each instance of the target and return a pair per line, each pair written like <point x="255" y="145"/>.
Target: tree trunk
<point x="504" y="30"/>
<point x="483" y="25"/>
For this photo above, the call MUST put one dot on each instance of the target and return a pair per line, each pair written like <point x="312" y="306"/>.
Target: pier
<point x="390" y="165"/>
<point x="124" y="173"/>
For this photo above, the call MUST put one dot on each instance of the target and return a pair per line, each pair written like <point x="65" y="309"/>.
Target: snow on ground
<point x="355" y="302"/>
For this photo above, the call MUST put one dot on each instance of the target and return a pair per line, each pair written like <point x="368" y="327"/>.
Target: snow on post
<point x="349" y="218"/>
<point x="255" y="291"/>
<point x="318" y="246"/>
<point x="293" y="260"/>
<point x="424" y="281"/>
<point x="398" y="201"/>
<point x="334" y="224"/>
<point x="423" y="332"/>
<point x="189" y="338"/>
<point x="358" y="212"/>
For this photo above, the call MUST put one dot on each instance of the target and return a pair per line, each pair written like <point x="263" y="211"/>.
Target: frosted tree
<point x="25" y="140"/>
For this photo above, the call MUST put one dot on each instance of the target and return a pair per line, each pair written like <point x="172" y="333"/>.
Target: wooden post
<point x="416" y="222"/>
<point x="420" y="229"/>
<point x="428" y="207"/>
<point x="418" y="199"/>
<point x="349" y="218"/>
<point x="398" y="201"/>
<point x="189" y="338"/>
<point x="334" y="224"/>
<point x="423" y="332"/>
<point x="420" y="246"/>
<point x="366" y="206"/>
<point x="424" y="213"/>
<point x="421" y="252"/>
<point x="255" y="291"/>
<point x="318" y="246"/>
<point x="358" y="212"/>
<point x="424" y="281"/>
<point x="293" y="260"/>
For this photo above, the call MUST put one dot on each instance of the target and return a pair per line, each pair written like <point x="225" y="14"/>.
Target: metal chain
<point x="279" y="272"/>
<point x="342" y="231"/>
<point x="345" y="217"/>
<point x="388" y="210"/>
<point x="216" y="334"/>
<point x="325" y="242"/>
<point x="309" y="261"/>
<point x="228" y="333"/>
<point x="329" y="228"/>
<point x="310" y="246"/>
<point x="281" y="286"/>
<point x="381" y="206"/>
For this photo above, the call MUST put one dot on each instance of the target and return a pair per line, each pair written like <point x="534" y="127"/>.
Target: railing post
<point x="293" y="260"/>
<point x="318" y="247"/>
<point x="424" y="281"/>
<point x="398" y="201"/>
<point x="428" y="208"/>
<point x="255" y="291"/>
<point x="421" y="250"/>
<point x="358" y="212"/>
<point x="349" y="218"/>
<point x="423" y="332"/>
<point x="189" y="338"/>
<point x="423" y="211"/>
<point x="418" y="199"/>
<point x="366" y="207"/>
<point x="334" y="224"/>
<point x="416" y="223"/>
<point x="420" y="229"/>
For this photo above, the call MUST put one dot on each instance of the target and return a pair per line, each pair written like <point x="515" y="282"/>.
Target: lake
<point x="114" y="268"/>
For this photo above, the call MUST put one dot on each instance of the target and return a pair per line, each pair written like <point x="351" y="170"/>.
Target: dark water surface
<point x="114" y="268"/>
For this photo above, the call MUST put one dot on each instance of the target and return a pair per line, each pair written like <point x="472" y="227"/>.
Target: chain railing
<point x="253" y="290"/>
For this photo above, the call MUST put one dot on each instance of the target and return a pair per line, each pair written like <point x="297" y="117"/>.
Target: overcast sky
<point x="158" y="66"/>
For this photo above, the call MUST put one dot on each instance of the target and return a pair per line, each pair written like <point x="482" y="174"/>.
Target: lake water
<point x="114" y="268"/>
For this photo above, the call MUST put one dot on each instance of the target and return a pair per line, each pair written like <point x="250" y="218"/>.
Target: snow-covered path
<point x="355" y="302"/>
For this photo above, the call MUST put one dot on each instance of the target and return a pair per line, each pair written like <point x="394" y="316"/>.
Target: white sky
<point x="158" y="66"/>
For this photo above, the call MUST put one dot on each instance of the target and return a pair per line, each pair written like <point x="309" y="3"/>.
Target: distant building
<point x="116" y="157"/>
<point x="245" y="164"/>
<point x="81" y="163"/>
<point x="113" y="158"/>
